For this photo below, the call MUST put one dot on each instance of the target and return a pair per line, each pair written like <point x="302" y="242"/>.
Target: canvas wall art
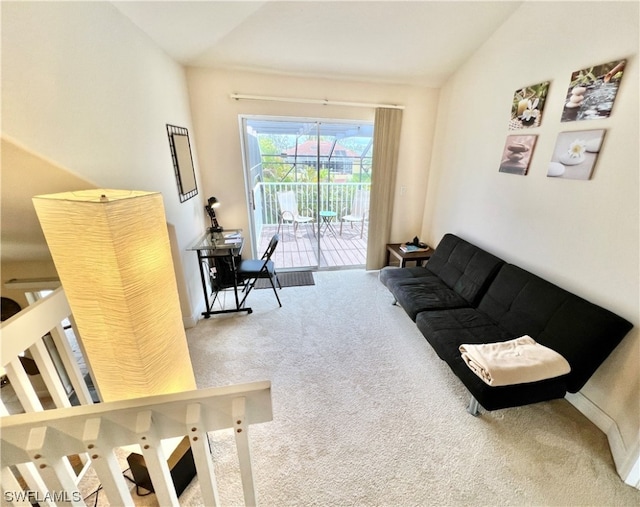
<point x="592" y="92"/>
<point x="516" y="156"/>
<point x="527" y="106"/>
<point x="575" y="154"/>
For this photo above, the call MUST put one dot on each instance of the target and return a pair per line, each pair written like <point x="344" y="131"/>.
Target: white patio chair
<point x="359" y="211"/>
<point x="289" y="212"/>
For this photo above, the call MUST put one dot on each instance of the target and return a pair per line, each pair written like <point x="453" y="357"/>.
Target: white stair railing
<point x="24" y="334"/>
<point x="37" y="443"/>
<point x="40" y="441"/>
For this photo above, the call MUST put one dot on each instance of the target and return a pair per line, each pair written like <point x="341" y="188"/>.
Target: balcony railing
<point x="311" y="197"/>
<point x="306" y="248"/>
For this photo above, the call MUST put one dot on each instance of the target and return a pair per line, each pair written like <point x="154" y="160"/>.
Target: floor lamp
<point x="111" y="250"/>
<point x="112" y="253"/>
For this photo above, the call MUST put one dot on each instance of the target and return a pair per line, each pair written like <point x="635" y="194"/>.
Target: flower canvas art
<point x="592" y="92"/>
<point x="517" y="153"/>
<point x="527" y="106"/>
<point x="575" y="154"/>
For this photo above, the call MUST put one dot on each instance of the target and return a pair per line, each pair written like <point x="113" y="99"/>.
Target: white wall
<point x="582" y="235"/>
<point x="84" y="88"/>
<point x="215" y="117"/>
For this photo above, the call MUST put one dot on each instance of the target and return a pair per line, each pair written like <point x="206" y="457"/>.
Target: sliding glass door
<point x="308" y="180"/>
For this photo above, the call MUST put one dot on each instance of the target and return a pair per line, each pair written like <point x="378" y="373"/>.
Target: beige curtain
<point x="386" y="140"/>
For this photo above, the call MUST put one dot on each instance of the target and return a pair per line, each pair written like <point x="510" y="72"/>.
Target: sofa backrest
<point x="582" y="332"/>
<point x="465" y="268"/>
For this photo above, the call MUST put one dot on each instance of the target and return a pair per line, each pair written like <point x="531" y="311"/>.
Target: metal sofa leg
<point x="472" y="408"/>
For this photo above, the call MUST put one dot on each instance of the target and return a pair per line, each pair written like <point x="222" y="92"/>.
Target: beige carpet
<point x="366" y="414"/>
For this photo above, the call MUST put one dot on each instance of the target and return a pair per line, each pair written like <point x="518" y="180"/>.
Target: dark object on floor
<point x="181" y="466"/>
<point x="252" y="270"/>
<point x="289" y="279"/>
<point x="465" y="295"/>
<point x="9" y="308"/>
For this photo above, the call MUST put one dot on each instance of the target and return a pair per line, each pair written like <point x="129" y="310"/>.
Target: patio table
<point x="327" y="221"/>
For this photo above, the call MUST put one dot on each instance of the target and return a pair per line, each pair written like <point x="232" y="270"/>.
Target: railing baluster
<point x="71" y="365"/>
<point x="49" y="374"/>
<point x="35" y="483"/>
<point x="11" y="490"/>
<point x="22" y="386"/>
<point x="155" y="460"/>
<point x="57" y="473"/>
<point x="67" y="479"/>
<point x="27" y="470"/>
<point x="201" y="455"/>
<point x="241" y="430"/>
<point x="76" y="333"/>
<point x="111" y="479"/>
<point x="105" y="463"/>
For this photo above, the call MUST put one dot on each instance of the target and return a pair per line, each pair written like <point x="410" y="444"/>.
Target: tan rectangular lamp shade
<point x="111" y="250"/>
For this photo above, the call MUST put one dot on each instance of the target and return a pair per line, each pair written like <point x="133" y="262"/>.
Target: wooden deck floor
<point x="300" y="250"/>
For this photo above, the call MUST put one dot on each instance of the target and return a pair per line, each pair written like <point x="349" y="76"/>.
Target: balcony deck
<point x="300" y="250"/>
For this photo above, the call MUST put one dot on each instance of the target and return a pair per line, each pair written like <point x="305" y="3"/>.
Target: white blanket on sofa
<point x="514" y="362"/>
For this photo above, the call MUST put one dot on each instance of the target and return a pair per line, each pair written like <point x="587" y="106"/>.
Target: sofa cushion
<point x="584" y="333"/>
<point x="390" y="273"/>
<point x="425" y="294"/>
<point x="416" y="278"/>
<point x="447" y="330"/>
<point x="465" y="268"/>
<point x="520" y="302"/>
<point x="453" y="278"/>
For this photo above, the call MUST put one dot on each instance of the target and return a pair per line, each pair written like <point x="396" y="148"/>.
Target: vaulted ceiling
<point x="411" y="42"/>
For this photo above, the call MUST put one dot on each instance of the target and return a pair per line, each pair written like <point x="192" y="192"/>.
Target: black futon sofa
<point x="465" y="295"/>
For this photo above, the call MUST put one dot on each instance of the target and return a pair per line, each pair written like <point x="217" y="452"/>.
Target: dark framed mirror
<point x="182" y="162"/>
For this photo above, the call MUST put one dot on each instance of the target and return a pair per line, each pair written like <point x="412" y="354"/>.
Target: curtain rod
<point x="324" y="102"/>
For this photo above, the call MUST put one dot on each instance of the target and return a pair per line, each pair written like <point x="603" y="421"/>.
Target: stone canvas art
<point x="517" y="153"/>
<point x="592" y="92"/>
<point x="575" y="154"/>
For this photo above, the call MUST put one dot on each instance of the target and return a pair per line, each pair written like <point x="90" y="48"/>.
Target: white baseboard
<point x="627" y="460"/>
<point x="633" y="477"/>
<point x="190" y="321"/>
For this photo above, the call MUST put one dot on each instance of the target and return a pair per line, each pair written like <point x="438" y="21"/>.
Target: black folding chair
<point x="251" y="270"/>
